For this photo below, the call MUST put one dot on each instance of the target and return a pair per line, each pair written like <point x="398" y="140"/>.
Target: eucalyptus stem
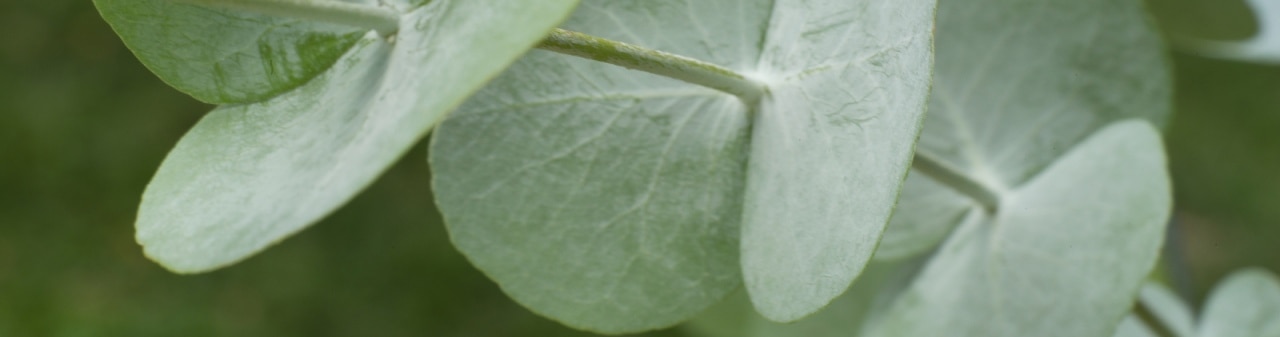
<point x="946" y="175"/>
<point x="385" y="21"/>
<point x="654" y="62"/>
<point x="714" y="77"/>
<point x="1148" y="317"/>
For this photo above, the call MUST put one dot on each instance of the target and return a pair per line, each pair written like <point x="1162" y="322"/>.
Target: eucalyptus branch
<point x="562" y="41"/>
<point x="654" y="62"/>
<point x="567" y="42"/>
<point x="949" y="176"/>
<point x="1156" y="325"/>
<point x="385" y="21"/>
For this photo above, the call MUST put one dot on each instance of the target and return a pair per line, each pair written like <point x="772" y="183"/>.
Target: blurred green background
<point x="83" y="126"/>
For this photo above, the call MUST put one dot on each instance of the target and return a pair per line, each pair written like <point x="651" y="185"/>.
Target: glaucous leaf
<point x="1063" y="255"/>
<point x="222" y="56"/>
<point x="1018" y="85"/>
<point x="249" y="175"/>
<point x="831" y="145"/>
<point x="1246" y="304"/>
<point x="612" y="200"/>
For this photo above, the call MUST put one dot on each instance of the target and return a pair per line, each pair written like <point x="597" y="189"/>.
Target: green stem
<point x="385" y="21"/>
<point x="714" y="77"/>
<point x="562" y="41"/>
<point x="653" y="62"/>
<point x="1156" y="325"/>
<point x="949" y="176"/>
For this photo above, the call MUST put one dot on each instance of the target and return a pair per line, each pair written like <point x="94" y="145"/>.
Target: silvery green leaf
<point x="1063" y="255"/>
<point x="831" y="145"/>
<point x="612" y="200"/>
<point x="1246" y="304"/>
<point x="221" y="56"/>
<point x="1018" y="86"/>
<point x="250" y="174"/>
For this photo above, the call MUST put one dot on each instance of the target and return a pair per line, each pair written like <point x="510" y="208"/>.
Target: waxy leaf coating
<point x="1017" y="84"/>
<point x="220" y="56"/>
<point x="250" y="174"/>
<point x="1063" y="255"/>
<point x="1245" y="304"/>
<point x="618" y="201"/>
<point x="1063" y="248"/>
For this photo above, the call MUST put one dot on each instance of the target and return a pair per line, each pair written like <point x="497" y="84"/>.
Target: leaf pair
<point x="829" y="145"/>
<point x="1245" y="304"/>
<point x="618" y="201"/>
<point x="1035" y="101"/>
<point x="1057" y="259"/>
<point x="311" y="113"/>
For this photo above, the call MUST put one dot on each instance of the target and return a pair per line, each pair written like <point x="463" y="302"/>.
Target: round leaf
<point x="611" y="200"/>
<point x="249" y="175"/>
<point x="221" y="56"/>
<point x="1246" y="304"/>
<point x="1063" y="256"/>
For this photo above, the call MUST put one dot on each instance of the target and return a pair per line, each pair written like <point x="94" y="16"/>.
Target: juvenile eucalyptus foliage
<point x="631" y="201"/>
<point x="1050" y="105"/>
<point x="1245" y="303"/>
<point x="287" y="153"/>
<point x="1033" y="195"/>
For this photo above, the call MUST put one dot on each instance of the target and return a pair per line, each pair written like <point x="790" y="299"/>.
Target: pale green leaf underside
<point x="611" y="200"/>
<point x="249" y="175"/>
<point x="220" y="56"/>
<point x="831" y="145"/>
<point x="1064" y="255"/>
<point x="1020" y="82"/>
<point x="1017" y="85"/>
<point x="1132" y="326"/>
<point x="1246" y="304"/>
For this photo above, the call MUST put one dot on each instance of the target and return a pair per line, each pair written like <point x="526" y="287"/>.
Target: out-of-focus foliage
<point x="1224" y="146"/>
<point x="1244" y="304"/>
